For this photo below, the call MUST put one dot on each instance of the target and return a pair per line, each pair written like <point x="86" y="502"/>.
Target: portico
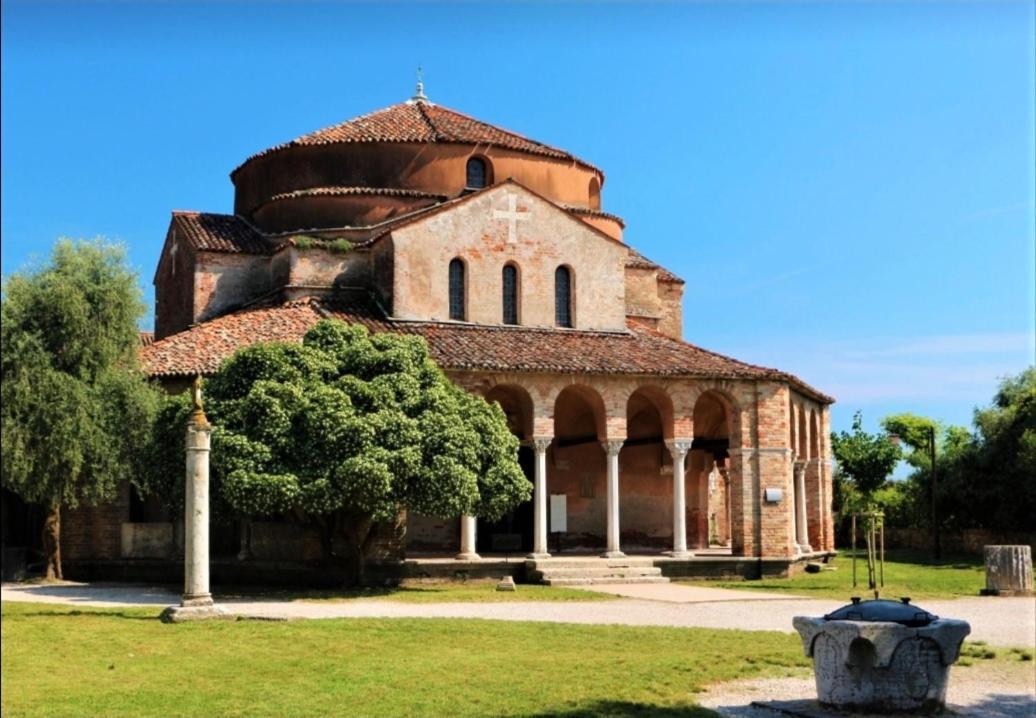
<point x="659" y="466"/>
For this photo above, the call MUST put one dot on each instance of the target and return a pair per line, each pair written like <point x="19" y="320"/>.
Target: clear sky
<point x="848" y="189"/>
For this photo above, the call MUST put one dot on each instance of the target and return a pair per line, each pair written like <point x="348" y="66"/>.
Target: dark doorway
<point x="22" y="545"/>
<point x="513" y="533"/>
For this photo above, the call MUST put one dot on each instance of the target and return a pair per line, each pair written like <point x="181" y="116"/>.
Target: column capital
<point x="612" y="446"/>
<point x="541" y="443"/>
<point x="679" y="446"/>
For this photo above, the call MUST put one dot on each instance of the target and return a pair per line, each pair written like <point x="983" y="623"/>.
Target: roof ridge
<point x="438" y="133"/>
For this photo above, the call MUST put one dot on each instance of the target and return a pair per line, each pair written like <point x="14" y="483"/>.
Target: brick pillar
<point x="743" y="501"/>
<point x="776" y="519"/>
<point x="815" y="504"/>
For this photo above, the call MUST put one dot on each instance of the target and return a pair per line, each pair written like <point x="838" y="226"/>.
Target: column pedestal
<point x="612" y="449"/>
<point x="467" y="539"/>
<point x="801" y="521"/>
<point x="539" y="500"/>
<point x="679" y="448"/>
<point x="196" y="604"/>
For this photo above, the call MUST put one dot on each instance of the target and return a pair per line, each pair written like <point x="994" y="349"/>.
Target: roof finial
<point x="419" y="96"/>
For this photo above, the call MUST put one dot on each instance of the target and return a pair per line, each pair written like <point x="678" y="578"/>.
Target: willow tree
<point x="344" y="431"/>
<point x="76" y="411"/>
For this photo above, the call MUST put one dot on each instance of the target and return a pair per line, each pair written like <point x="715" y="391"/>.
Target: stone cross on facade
<point x="512" y="215"/>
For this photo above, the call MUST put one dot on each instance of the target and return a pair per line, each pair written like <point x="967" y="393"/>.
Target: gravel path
<point x="997" y="689"/>
<point x="998" y="621"/>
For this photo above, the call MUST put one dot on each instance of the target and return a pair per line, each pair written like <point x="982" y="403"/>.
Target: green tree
<point x="76" y="411"/>
<point x="992" y="484"/>
<point x="863" y="458"/>
<point x="345" y="430"/>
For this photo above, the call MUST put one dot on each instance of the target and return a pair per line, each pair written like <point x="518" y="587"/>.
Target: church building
<point x="496" y="249"/>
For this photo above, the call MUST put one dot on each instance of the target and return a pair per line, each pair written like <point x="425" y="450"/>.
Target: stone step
<point x="540" y="564"/>
<point x="596" y="572"/>
<point x="572" y="581"/>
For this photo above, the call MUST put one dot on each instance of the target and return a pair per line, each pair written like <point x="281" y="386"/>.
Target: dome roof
<point x="419" y="120"/>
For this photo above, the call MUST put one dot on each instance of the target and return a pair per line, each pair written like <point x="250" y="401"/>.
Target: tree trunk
<point x="357" y="533"/>
<point x="52" y="543"/>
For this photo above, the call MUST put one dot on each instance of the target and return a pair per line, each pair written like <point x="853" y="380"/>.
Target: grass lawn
<point x="906" y="574"/>
<point x="59" y="661"/>
<point x="428" y="592"/>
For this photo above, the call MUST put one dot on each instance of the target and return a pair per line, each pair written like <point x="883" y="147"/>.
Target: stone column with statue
<point x="196" y="603"/>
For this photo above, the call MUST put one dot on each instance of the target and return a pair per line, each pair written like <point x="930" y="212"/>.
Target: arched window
<point x="457" y="290"/>
<point x="510" y="284"/>
<point x="563" y="297"/>
<point x="477" y="178"/>
<point x="595" y="193"/>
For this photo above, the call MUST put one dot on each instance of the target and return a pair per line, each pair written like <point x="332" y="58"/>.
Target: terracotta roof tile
<point x="636" y="259"/>
<point x="146" y="338"/>
<point x="220" y="233"/>
<point x="421" y="122"/>
<point x="345" y="191"/>
<point x="640" y="350"/>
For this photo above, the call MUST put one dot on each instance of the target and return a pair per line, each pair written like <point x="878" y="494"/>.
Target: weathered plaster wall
<point x="226" y="281"/>
<point x="174" y="287"/>
<point x="314" y="267"/>
<point x="545" y="238"/>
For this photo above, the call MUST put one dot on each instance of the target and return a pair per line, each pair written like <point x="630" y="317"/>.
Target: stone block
<point x="1008" y="571"/>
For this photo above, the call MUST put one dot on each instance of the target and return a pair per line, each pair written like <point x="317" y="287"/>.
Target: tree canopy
<point x="76" y="412"/>
<point x="346" y="429"/>
<point x="866" y="459"/>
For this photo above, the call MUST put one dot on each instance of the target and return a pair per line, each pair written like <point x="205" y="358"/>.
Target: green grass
<point x="429" y="592"/>
<point x="58" y="661"/>
<point x="906" y="574"/>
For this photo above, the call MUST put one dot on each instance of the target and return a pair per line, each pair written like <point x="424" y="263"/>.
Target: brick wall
<point x="95" y="532"/>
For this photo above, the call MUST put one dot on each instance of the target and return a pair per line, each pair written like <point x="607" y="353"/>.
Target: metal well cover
<point x="883" y="610"/>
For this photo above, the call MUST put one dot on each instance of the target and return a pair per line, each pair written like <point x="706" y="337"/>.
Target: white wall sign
<point x="558" y="513"/>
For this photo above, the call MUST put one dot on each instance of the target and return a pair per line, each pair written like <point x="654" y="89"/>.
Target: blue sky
<point x="848" y="189"/>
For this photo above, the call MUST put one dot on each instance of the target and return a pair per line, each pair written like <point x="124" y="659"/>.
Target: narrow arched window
<point x="595" y="193"/>
<point x="563" y="297"/>
<point x="476" y="174"/>
<point x="457" y="290"/>
<point x="510" y="284"/>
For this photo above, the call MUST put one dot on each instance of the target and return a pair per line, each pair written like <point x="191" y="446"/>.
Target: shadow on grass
<point x="78" y="614"/>
<point x="622" y="709"/>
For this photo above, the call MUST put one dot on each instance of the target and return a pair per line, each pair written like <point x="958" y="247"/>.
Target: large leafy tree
<point x="345" y="430"/>
<point x="76" y="412"/>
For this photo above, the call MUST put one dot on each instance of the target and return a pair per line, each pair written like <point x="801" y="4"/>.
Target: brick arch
<point x="567" y="408"/>
<point x="518" y="406"/>
<point x="726" y="393"/>
<point x="814" y="435"/>
<point x="803" y="448"/>
<point x="659" y="399"/>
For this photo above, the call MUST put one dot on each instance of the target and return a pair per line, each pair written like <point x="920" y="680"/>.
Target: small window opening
<point x="457" y="290"/>
<point x="476" y="178"/>
<point x="510" y="284"/>
<point x="563" y="297"/>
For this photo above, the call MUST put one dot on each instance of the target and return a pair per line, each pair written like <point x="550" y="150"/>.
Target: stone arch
<point x="517" y="405"/>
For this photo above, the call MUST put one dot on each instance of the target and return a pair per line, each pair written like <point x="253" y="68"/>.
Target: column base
<point x="804" y="548"/>
<point x="678" y="554"/>
<point x="467" y="557"/>
<point x="182" y="614"/>
<point x="613" y="554"/>
<point x="538" y="556"/>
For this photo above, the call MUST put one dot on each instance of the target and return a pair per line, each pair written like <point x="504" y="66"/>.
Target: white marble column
<point x="196" y="518"/>
<point x="679" y="448"/>
<point x="612" y="448"/>
<point x="801" y="526"/>
<point x="196" y="602"/>
<point x="467" y="539"/>
<point x="539" y="499"/>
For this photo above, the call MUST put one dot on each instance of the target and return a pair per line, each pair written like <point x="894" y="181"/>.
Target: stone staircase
<point x="588" y="571"/>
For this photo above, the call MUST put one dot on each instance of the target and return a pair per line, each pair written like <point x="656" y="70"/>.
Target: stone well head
<point x="882" y="655"/>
